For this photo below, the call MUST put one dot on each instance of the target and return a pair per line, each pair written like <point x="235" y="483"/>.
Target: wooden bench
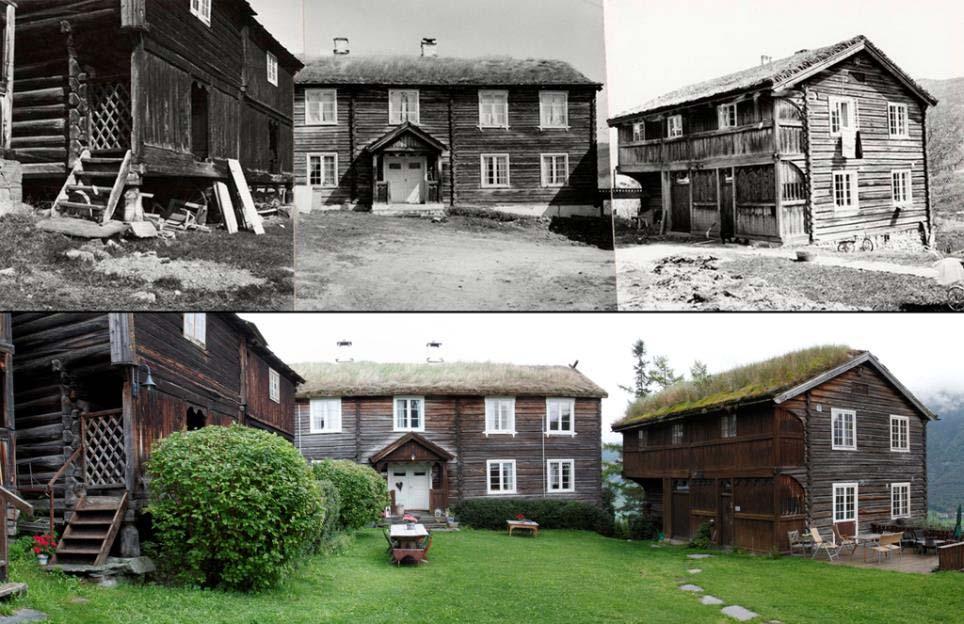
<point x="520" y="525"/>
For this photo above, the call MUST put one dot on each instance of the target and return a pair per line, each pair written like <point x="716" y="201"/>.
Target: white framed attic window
<point x="321" y="107"/>
<point x="897" y="121"/>
<point x="274" y="385"/>
<point x="899" y="500"/>
<point x="900" y="434"/>
<point x="553" y="110"/>
<point x="561" y="417"/>
<point x="195" y="328"/>
<point x="500" y="416"/>
<point x="500" y="476"/>
<point x="639" y="131"/>
<point x="843" y="115"/>
<point x="202" y="10"/>
<point x="323" y="170"/>
<point x="403" y="105"/>
<point x="726" y="115"/>
<point x="560" y="476"/>
<point x="409" y="414"/>
<point x="846" y="198"/>
<point x="555" y="170"/>
<point x="674" y="126"/>
<point x="843" y="429"/>
<point x="493" y="109"/>
<point x="901" y="188"/>
<point x="495" y="171"/>
<point x="272" y="69"/>
<point x="324" y="416"/>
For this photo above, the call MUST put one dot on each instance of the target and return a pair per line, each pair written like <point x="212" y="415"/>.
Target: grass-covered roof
<point x="760" y="380"/>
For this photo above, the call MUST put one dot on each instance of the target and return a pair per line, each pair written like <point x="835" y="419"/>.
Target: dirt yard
<point x="196" y="271"/>
<point x="360" y="261"/>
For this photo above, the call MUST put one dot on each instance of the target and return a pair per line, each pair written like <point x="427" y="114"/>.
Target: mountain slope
<point x="945" y="455"/>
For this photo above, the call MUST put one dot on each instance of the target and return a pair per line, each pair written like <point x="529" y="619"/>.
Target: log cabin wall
<point x="260" y="409"/>
<point x="7" y="424"/>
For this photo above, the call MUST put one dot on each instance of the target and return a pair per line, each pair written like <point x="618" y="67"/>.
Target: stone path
<point x="736" y="612"/>
<point x="24" y="615"/>
<point x="710" y="600"/>
<point x="739" y="613"/>
<point x="699" y="556"/>
<point x="694" y="570"/>
<point x="690" y="588"/>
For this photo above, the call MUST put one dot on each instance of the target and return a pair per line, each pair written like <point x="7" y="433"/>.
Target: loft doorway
<point x="200" y="124"/>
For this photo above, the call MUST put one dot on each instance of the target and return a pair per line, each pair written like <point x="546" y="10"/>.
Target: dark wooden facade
<point x="7" y="437"/>
<point x="766" y="170"/>
<point x="778" y="472"/>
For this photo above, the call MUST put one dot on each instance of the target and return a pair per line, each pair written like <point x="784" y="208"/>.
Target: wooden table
<point x="408" y="538"/>
<point x="866" y="540"/>
<point x="523" y="525"/>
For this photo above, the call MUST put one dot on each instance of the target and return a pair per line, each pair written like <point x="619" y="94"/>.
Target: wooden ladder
<point x="94" y="187"/>
<point x="91" y="531"/>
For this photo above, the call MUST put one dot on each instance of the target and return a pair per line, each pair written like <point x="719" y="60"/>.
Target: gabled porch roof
<point x="410" y="131"/>
<point x="410" y="447"/>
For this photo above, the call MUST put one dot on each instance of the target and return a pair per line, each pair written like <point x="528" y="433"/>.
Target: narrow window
<point x="844" y="429"/>
<point x="639" y="131"/>
<point x="897" y="120"/>
<point x="677" y="434"/>
<point x="272" y="69"/>
<point x="900" y="434"/>
<point x="409" y="414"/>
<point x="555" y="170"/>
<point x="900" y="188"/>
<point x="727" y="116"/>
<point x="493" y="109"/>
<point x="499" y="416"/>
<point x="202" y="9"/>
<point x="674" y="126"/>
<point x="845" y="502"/>
<point x="495" y="171"/>
<point x="643" y="438"/>
<point x="321" y="107"/>
<point x="560" y="416"/>
<point x="559" y="475"/>
<point x="900" y="500"/>
<point x="274" y="385"/>
<point x="195" y="327"/>
<point x="325" y="416"/>
<point x="728" y="426"/>
<point x="323" y="170"/>
<point x="554" y="109"/>
<point x="403" y="105"/>
<point x="501" y="476"/>
<point x="843" y="115"/>
<point x="845" y="192"/>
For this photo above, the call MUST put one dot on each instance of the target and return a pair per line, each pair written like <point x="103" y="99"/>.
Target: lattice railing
<point x="105" y="457"/>
<point x="111" y="122"/>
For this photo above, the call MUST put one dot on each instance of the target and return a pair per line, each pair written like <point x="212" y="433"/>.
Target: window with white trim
<point x="323" y="170"/>
<point x="897" y="120"/>
<point x="499" y="415"/>
<point x="639" y="131"/>
<point x="560" y="416"/>
<point x="843" y="115"/>
<point x="900" y="500"/>
<point x="202" y="9"/>
<point x="677" y="432"/>
<point x="844" y="429"/>
<point x="500" y="476"/>
<point x="555" y="170"/>
<point x="728" y="426"/>
<point x="643" y="438"/>
<point x="726" y="114"/>
<point x="493" y="109"/>
<point x="900" y="434"/>
<point x="495" y="171"/>
<point x="274" y="385"/>
<point x="845" y="193"/>
<point x="409" y="414"/>
<point x="403" y="105"/>
<point x="272" y="69"/>
<point x="674" y="126"/>
<point x="554" y="109"/>
<point x="560" y="475"/>
<point x="195" y="327"/>
<point x="900" y="187"/>
<point x="324" y="416"/>
<point x="321" y="107"/>
<point x="844" y="502"/>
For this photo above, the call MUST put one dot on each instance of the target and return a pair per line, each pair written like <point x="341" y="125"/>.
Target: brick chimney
<point x="341" y="46"/>
<point x="429" y="47"/>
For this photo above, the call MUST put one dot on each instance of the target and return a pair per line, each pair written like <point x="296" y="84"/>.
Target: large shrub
<point x="363" y="492"/>
<point x="329" y="493"/>
<point x="232" y="507"/>
<point x="490" y="513"/>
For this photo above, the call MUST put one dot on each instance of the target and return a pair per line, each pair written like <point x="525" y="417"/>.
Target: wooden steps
<point x="91" y="531"/>
<point x="84" y="196"/>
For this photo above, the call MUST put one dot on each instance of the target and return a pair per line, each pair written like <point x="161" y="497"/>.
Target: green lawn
<point x="480" y="577"/>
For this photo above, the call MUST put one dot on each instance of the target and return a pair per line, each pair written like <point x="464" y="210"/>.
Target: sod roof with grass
<point x="450" y="378"/>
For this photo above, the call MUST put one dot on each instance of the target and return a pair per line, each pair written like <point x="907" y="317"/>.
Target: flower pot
<point x="43" y="559"/>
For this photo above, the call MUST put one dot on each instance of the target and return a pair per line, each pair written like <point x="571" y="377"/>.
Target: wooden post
<point x="689" y="174"/>
<point x="668" y="507"/>
<point x="8" y="498"/>
<point x="453" y="195"/>
<point x="719" y="201"/>
<point x="667" y="190"/>
<point x="927" y="183"/>
<point x="445" y="485"/>
<point x="353" y="170"/>
<point x="9" y="40"/>
<point x="736" y="212"/>
<point x="777" y="169"/>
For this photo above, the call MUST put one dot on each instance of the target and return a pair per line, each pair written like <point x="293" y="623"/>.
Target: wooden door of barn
<point x="681" y="205"/>
<point x="727" y="214"/>
<point x="726" y="512"/>
<point x="109" y="117"/>
<point x="681" y="513"/>
<point x="105" y="455"/>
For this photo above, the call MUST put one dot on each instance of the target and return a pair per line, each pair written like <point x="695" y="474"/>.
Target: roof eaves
<point x="722" y="407"/>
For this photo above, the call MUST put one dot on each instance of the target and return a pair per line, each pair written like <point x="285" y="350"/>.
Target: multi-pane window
<point x="325" y="416"/>
<point x="409" y="414"/>
<point x="900" y="500"/>
<point x="677" y="434"/>
<point x="501" y="476"/>
<point x="555" y="169"/>
<point x="274" y="385"/>
<point x="272" y="69"/>
<point x="323" y="170"/>
<point x="554" y="109"/>
<point x="495" y="170"/>
<point x="900" y="434"/>
<point x="728" y="426"/>
<point x="499" y="415"/>
<point x="844" y="502"/>
<point x="321" y="107"/>
<point x="674" y="126"/>
<point x="195" y="327"/>
<point x="560" y="416"/>
<point x="727" y="115"/>
<point x="202" y="9"/>
<point x="643" y="438"/>
<point x="897" y="120"/>
<point x="493" y="109"/>
<point x="639" y="131"/>
<point x="844" y="425"/>
<point x="843" y="115"/>
<point x="559" y="475"/>
<point x="845" y="195"/>
<point x="900" y="187"/>
<point x="403" y="106"/>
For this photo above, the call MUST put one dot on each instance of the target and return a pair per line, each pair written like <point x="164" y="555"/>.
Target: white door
<point x="411" y="484"/>
<point x="405" y="175"/>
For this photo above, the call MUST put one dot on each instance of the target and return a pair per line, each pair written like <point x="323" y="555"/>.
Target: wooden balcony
<point x="745" y="455"/>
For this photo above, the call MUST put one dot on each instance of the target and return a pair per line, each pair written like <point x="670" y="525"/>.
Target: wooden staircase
<point x="94" y="187"/>
<point x="91" y="531"/>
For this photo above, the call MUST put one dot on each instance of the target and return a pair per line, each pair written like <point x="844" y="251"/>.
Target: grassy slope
<point x="483" y="577"/>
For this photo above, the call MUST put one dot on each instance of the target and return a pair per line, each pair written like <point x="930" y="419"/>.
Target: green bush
<point x="491" y="513"/>
<point x="362" y="491"/>
<point x="332" y="499"/>
<point x="232" y="507"/>
<point x="703" y="537"/>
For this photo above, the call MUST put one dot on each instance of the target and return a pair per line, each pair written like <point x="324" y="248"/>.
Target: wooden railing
<point x="50" y="489"/>
<point x="742" y="453"/>
<point x="743" y="141"/>
<point x="951" y="557"/>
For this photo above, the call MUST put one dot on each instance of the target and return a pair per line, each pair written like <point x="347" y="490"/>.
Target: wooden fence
<point x="951" y="557"/>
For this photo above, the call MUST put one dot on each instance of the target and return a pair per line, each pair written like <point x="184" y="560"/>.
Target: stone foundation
<point x="910" y="239"/>
<point x="11" y="186"/>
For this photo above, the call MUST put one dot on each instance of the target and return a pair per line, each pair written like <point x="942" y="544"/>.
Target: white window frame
<point x="724" y="112"/>
<point x="505" y="108"/>
<point x="543" y="108"/>
<point x="202" y="10"/>
<point x="895" y="491"/>
<point x="394" y="116"/>
<point x="272" y="69"/>
<point x="491" y="405"/>
<point x="725" y="431"/>
<point x="508" y="171"/>
<point x="550" y="169"/>
<point x="195" y="328"/>
<point x="408" y="413"/>
<point x="332" y="417"/>
<point x="558" y="464"/>
<point x="895" y="443"/>
<point x="571" y="403"/>
<point x="321" y="121"/>
<point x="677" y="434"/>
<point x="854" y="185"/>
<point x="904" y="178"/>
<point x="834" y="103"/>
<point x="274" y="385"/>
<point x="834" y="412"/>
<point x="642" y="438"/>
<point x="488" y="477"/>
<point x="674" y="126"/>
<point x="846" y="486"/>
<point x="900" y="114"/>
<point x="322" y="156"/>
<point x="639" y="131"/>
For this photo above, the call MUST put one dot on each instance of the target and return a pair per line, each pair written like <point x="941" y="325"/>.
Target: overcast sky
<point x="926" y="358"/>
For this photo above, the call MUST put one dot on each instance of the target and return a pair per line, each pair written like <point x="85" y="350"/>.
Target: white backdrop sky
<point x="924" y="352"/>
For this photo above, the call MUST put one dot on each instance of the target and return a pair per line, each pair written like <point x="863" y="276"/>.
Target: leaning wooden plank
<point x="251" y="216"/>
<point x="223" y="196"/>
<point x="82" y="228"/>
<point x="119" y="185"/>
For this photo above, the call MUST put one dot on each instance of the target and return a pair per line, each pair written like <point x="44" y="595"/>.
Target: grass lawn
<point x="481" y="577"/>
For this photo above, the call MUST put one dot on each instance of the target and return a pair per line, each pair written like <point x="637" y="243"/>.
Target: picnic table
<point x="412" y="542"/>
<point x="523" y="525"/>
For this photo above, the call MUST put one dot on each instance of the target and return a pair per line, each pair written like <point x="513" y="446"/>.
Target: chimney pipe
<point x="766" y="60"/>
<point x="429" y="47"/>
<point x="341" y="46"/>
<point x="434" y="352"/>
<point x="343" y="355"/>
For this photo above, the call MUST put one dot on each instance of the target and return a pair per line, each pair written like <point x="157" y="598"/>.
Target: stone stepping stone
<point x="694" y="570"/>
<point x="690" y="588"/>
<point x="739" y="613"/>
<point x="711" y="600"/>
<point x="24" y="615"/>
<point x="698" y="556"/>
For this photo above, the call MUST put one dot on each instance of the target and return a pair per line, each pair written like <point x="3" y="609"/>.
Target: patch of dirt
<point x="203" y="275"/>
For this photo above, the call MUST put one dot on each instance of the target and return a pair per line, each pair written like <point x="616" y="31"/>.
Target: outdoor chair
<point x="819" y="545"/>
<point x="889" y="543"/>
<point x="797" y="542"/>
<point x="843" y="540"/>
